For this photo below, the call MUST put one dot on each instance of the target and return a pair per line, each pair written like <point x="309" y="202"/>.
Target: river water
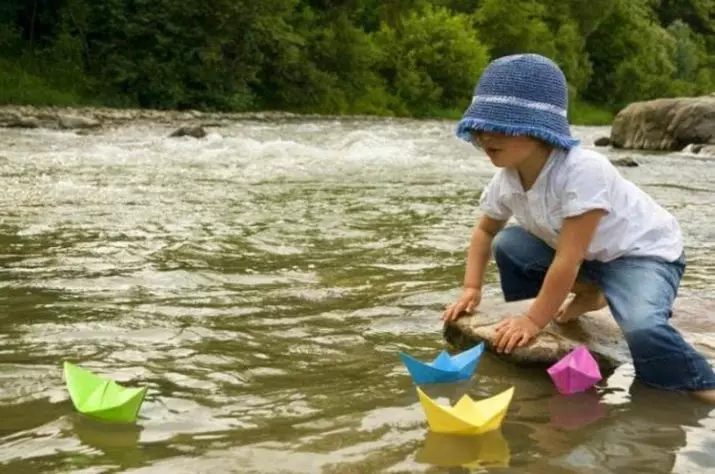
<point x="261" y="282"/>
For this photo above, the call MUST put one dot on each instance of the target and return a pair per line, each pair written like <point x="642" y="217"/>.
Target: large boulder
<point x="597" y="330"/>
<point x="665" y="124"/>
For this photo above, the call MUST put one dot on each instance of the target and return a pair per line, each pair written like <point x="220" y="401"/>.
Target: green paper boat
<point x="102" y="398"/>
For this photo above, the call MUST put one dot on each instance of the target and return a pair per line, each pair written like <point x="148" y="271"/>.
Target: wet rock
<point x="602" y="141"/>
<point x="188" y="131"/>
<point x="23" y="122"/>
<point x="47" y="117"/>
<point x="700" y="150"/>
<point x="597" y="330"/>
<point x="626" y="161"/>
<point x="74" y="122"/>
<point x="665" y="124"/>
<point x="86" y="131"/>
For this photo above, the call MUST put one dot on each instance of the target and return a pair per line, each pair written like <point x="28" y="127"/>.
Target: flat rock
<point x="597" y="330"/>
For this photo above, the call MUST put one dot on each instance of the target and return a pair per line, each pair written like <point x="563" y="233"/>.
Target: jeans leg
<point x="640" y="294"/>
<point x="523" y="260"/>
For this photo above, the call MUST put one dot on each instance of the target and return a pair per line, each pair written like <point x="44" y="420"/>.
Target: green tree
<point x="431" y="60"/>
<point x="632" y="56"/>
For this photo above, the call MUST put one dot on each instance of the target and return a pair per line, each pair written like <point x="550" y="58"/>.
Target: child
<point x="582" y="228"/>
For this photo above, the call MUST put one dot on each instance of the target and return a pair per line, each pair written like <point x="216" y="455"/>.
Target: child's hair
<point x="522" y="94"/>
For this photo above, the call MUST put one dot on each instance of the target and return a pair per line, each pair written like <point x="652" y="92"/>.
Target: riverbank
<point x="34" y="95"/>
<point x="89" y="117"/>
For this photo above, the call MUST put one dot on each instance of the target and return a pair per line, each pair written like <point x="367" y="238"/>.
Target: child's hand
<point x="514" y="332"/>
<point x="470" y="299"/>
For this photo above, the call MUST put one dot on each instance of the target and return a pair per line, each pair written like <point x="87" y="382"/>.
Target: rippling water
<point x="261" y="281"/>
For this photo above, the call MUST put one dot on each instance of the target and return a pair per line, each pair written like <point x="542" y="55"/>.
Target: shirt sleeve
<point x="587" y="187"/>
<point x="490" y="201"/>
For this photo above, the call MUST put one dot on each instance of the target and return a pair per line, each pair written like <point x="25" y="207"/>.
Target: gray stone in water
<point x="24" y="122"/>
<point x="602" y="141"/>
<point x="597" y="330"/>
<point x="703" y="150"/>
<point x="71" y="122"/>
<point x="196" y="132"/>
<point x="627" y="162"/>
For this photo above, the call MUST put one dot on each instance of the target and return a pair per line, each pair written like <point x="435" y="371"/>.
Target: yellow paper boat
<point x="488" y="450"/>
<point x="466" y="417"/>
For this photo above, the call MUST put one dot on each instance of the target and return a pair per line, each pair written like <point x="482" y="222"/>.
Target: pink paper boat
<point x="576" y="372"/>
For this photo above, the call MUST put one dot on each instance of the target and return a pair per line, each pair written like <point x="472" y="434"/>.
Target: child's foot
<point x="707" y="396"/>
<point x="581" y="303"/>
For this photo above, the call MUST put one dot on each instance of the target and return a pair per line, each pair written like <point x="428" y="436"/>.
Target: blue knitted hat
<point x="522" y="94"/>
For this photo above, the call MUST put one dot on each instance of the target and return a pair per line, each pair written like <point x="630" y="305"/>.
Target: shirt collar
<point x="514" y="183"/>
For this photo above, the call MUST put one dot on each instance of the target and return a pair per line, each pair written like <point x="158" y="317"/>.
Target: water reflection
<point x="575" y="411"/>
<point x="651" y="429"/>
<point x="488" y="450"/>
<point x="120" y="442"/>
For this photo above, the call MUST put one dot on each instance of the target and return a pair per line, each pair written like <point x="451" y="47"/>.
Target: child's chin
<point x="497" y="161"/>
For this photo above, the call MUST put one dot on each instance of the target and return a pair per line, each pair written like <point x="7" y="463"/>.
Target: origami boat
<point x="444" y="368"/>
<point x="101" y="398"/>
<point x="488" y="450"/>
<point x="466" y="417"/>
<point x="576" y="372"/>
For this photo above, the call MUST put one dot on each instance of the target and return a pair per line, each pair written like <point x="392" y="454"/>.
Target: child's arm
<point x="480" y="249"/>
<point x="575" y="237"/>
<point x="585" y="199"/>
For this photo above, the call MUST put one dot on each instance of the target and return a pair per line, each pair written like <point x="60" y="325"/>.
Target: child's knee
<point x="503" y="241"/>
<point x="514" y="246"/>
<point x="510" y="241"/>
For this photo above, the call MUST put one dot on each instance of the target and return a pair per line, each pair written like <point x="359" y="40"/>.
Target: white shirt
<point x="577" y="181"/>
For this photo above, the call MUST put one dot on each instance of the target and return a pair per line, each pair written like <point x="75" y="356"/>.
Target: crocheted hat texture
<point x="521" y="94"/>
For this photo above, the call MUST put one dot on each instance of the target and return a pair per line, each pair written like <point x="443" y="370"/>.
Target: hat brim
<point x="515" y="120"/>
<point x="468" y="125"/>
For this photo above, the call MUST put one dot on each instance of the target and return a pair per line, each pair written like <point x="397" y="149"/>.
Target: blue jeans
<point x="640" y="293"/>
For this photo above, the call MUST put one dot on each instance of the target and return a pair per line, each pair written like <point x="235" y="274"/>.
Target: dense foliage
<point x="398" y="57"/>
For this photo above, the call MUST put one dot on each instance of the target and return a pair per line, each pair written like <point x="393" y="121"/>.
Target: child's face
<point x="506" y="151"/>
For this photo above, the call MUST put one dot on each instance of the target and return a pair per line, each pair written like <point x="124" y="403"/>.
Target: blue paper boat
<point x="444" y="368"/>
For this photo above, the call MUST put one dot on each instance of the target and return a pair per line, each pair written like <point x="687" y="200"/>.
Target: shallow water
<point x="261" y="281"/>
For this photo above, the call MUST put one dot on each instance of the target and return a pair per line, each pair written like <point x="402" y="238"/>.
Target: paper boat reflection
<point x="576" y="411"/>
<point x="467" y="417"/>
<point x="487" y="450"/>
<point x="101" y="398"/>
<point x="444" y="368"/>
